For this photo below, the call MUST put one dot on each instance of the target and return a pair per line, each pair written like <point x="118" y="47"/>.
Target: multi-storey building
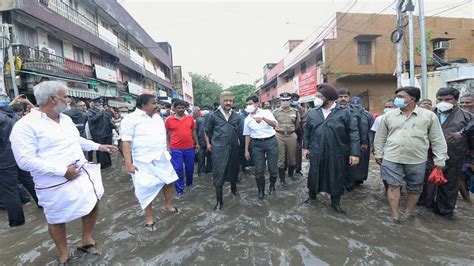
<point x="93" y="45"/>
<point x="355" y="51"/>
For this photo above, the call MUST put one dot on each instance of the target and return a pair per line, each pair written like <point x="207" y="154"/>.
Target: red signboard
<point x="307" y="83"/>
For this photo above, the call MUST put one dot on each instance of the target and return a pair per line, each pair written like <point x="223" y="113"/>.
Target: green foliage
<point x="241" y="92"/>
<point x="205" y="89"/>
<point x="428" y="35"/>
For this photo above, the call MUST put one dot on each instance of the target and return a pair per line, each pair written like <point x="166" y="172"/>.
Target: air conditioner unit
<point x="46" y="52"/>
<point x="442" y="45"/>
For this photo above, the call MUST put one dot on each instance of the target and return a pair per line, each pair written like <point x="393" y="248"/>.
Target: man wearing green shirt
<point x="401" y="148"/>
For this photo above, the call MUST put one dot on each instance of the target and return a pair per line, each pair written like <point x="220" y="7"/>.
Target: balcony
<point x="41" y="61"/>
<point x="69" y="13"/>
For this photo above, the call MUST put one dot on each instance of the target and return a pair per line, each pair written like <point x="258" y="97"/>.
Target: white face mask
<point x="204" y="112"/>
<point x="386" y="110"/>
<point x="250" y="109"/>
<point x="318" y="102"/>
<point x="444" y="106"/>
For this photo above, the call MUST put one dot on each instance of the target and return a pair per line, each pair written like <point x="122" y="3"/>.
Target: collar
<point x="330" y="108"/>
<point x="143" y="113"/>
<point x="415" y="111"/>
<point x="222" y="110"/>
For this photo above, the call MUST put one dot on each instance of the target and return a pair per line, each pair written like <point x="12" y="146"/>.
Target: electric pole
<point x="424" y="70"/>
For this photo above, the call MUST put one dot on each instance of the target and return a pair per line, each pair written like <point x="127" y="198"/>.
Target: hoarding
<point x="307" y="85"/>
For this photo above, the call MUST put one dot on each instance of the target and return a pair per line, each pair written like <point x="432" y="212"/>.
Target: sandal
<point x="89" y="249"/>
<point x="150" y="227"/>
<point x="174" y="211"/>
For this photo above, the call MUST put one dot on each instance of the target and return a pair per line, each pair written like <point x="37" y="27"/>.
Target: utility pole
<point x="424" y="69"/>
<point x="6" y="35"/>
<point x="397" y="38"/>
<point x="410" y="8"/>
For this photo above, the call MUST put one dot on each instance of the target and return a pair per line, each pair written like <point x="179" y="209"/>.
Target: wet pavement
<point x="277" y="230"/>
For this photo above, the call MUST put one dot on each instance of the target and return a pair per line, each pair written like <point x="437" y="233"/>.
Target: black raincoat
<point x="331" y="141"/>
<point x="79" y="118"/>
<point x="364" y="123"/>
<point x="224" y="138"/>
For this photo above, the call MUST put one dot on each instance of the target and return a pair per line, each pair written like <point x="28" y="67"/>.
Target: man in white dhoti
<point x="47" y="143"/>
<point x="146" y="156"/>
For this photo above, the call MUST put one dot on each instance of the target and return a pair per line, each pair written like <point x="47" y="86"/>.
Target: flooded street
<point x="274" y="231"/>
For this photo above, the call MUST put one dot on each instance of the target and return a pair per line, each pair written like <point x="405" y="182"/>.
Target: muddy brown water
<point x="277" y="230"/>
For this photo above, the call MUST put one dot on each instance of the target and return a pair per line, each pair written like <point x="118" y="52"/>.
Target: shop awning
<point x="119" y="104"/>
<point x="81" y="93"/>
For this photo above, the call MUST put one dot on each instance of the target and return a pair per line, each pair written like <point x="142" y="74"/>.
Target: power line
<point x="384" y="9"/>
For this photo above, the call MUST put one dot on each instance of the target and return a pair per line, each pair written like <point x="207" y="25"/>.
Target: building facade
<point x="183" y="84"/>
<point x="93" y="45"/>
<point x="355" y="51"/>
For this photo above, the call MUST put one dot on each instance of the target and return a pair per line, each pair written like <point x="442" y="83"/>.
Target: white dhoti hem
<point x="150" y="179"/>
<point x="73" y="199"/>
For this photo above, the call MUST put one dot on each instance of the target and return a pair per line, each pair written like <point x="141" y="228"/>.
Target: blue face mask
<point x="295" y="103"/>
<point x="400" y="102"/>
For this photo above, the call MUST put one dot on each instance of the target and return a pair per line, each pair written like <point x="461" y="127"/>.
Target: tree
<point x="241" y="92"/>
<point x="205" y="89"/>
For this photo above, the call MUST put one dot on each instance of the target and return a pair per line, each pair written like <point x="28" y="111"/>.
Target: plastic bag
<point x="437" y="177"/>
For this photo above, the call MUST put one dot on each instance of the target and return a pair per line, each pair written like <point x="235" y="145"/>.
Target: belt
<point x="264" y="138"/>
<point x="285" y="133"/>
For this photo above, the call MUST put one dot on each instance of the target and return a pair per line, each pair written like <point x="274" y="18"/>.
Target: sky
<point x="233" y="40"/>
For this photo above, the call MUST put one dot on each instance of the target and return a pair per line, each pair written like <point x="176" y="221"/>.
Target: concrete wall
<point x="375" y="92"/>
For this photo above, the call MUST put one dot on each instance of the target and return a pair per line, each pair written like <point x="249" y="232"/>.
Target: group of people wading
<point x="337" y="136"/>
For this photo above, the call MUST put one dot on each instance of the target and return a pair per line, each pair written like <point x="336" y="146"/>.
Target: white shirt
<point x="223" y="113"/>
<point x="326" y="112"/>
<point x="376" y="124"/>
<point x="259" y="130"/>
<point x="147" y="134"/>
<point x="46" y="148"/>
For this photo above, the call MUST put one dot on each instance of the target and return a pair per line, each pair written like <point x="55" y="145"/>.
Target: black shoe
<point x="261" y="193"/>
<point x="233" y="190"/>
<point x="219" y="206"/>
<point x="271" y="190"/>
<point x="291" y="170"/>
<point x="309" y="202"/>
<point x="335" y="204"/>
<point x="219" y="198"/>
<point x="281" y="174"/>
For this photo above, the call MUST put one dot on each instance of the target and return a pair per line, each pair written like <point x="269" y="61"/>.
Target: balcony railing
<point x="40" y="60"/>
<point x="69" y="13"/>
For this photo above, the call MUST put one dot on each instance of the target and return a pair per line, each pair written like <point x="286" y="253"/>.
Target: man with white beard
<point x="47" y="143"/>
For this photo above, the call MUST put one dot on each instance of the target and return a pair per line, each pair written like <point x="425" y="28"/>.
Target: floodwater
<point x="247" y="231"/>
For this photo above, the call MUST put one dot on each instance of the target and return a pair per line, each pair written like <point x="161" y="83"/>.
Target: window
<point x="25" y="35"/>
<point x="78" y="54"/>
<point x="303" y="67"/>
<point x="364" y="52"/>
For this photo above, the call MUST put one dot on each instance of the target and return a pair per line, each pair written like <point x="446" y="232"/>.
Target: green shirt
<point x="406" y="140"/>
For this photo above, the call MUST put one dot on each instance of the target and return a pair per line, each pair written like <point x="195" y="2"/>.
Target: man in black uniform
<point x="222" y="138"/>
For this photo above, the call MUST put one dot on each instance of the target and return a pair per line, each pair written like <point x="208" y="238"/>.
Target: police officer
<point x="288" y="119"/>
<point x="259" y="132"/>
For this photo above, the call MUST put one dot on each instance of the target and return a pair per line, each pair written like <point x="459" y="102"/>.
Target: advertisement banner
<point x="134" y="88"/>
<point x="307" y="83"/>
<point x="106" y="74"/>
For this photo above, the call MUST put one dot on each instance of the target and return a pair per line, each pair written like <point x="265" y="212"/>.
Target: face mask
<point x="285" y="104"/>
<point x="318" y="102"/>
<point x="163" y="112"/>
<point x="295" y="103"/>
<point x="386" y="110"/>
<point x="400" y="102"/>
<point x="250" y="109"/>
<point x="444" y="106"/>
<point x="204" y="112"/>
<point x="122" y="115"/>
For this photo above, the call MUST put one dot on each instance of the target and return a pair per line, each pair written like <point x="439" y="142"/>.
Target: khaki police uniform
<point x="288" y="120"/>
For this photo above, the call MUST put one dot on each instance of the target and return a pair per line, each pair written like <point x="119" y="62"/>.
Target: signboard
<point x="106" y="74"/>
<point x="307" y="83"/>
<point x="2" y="81"/>
<point x="134" y="88"/>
